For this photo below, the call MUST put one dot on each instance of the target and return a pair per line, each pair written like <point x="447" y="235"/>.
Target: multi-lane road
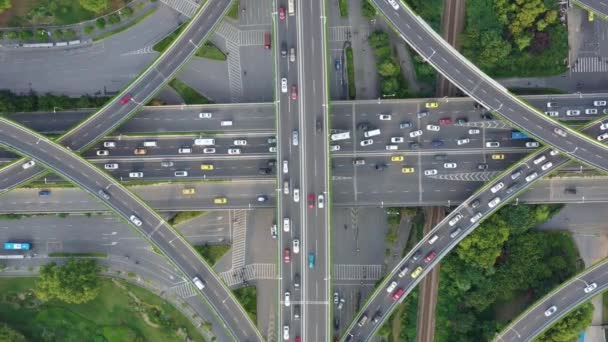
<point x="597" y="6"/>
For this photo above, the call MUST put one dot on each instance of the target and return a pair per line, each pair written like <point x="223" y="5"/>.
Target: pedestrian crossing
<point x="229" y="32"/>
<point x="468" y="176"/>
<point x="339" y="33"/>
<point x="235" y="80"/>
<point x="142" y="51"/>
<point x="239" y="235"/>
<point x="184" y="290"/>
<point x="252" y="38"/>
<point x="356" y="272"/>
<point x="185" y="7"/>
<point x="248" y="273"/>
<point x="591" y="64"/>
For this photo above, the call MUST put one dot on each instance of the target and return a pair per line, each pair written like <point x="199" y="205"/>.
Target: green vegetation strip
<point x="133" y="23"/>
<point x="188" y="94"/>
<point x="350" y="73"/>
<point x="162" y="45"/>
<point x="233" y="12"/>
<point x="343" y="8"/>
<point x="247" y="296"/>
<point x="184" y="216"/>
<point x="78" y="255"/>
<point x="210" y="51"/>
<point x="212" y="253"/>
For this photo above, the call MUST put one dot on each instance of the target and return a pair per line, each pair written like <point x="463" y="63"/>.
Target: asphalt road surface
<point x="150" y="224"/>
<point x="483" y="89"/>
<point x="597" y="6"/>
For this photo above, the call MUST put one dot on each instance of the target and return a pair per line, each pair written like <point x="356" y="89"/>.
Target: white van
<point x="372" y="133"/>
<point x="433" y="239"/>
<point x="226" y="123"/>
<point x="150" y="143"/>
<point x="199" y="283"/>
<point x="204" y="142"/>
<point x="340" y="136"/>
<point x="184" y="150"/>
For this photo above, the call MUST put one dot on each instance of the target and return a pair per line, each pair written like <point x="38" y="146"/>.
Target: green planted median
<point x="350" y="73"/>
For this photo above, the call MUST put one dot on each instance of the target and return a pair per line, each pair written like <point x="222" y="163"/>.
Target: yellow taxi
<point x="498" y="156"/>
<point x="220" y="200"/>
<point x="408" y="170"/>
<point x="433" y="104"/>
<point x="416" y="272"/>
<point x="397" y="158"/>
<point x="188" y="191"/>
<point x="206" y="167"/>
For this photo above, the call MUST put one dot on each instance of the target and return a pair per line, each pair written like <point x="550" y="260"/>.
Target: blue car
<point x="437" y="143"/>
<point x="311" y="260"/>
<point x="44" y="193"/>
<point x="338" y="64"/>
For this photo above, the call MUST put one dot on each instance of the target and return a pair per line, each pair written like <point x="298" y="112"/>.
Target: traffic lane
<point x="598" y="6"/>
<point x="487" y="91"/>
<point x="170" y="146"/>
<point x="566" y="298"/>
<point x="125" y="204"/>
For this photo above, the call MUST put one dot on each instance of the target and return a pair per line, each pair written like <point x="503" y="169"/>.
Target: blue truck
<point x="517" y="135"/>
<point x="17" y="246"/>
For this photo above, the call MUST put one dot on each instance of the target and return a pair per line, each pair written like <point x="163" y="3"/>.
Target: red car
<point x="398" y="294"/>
<point x="311" y="201"/>
<point x="294" y="92"/>
<point x="429" y="257"/>
<point x="126" y="98"/>
<point x="282" y="13"/>
<point x="445" y="121"/>
<point x="297" y="339"/>
<point x="287" y="255"/>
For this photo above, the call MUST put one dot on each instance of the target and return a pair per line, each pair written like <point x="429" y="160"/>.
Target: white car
<point x="205" y="115"/>
<point x="554" y="152"/>
<point x="391" y="287"/>
<point x="455" y="219"/>
<point x="28" y="164"/>
<point x="532" y="144"/>
<point x="283" y="85"/>
<point x="287" y="298"/>
<point x="430" y="172"/>
<point x="397" y="140"/>
<point x="286" y="187"/>
<point x="208" y="150"/>
<point x="394" y="4"/>
<point x="135" y="220"/>
<point x="494" y="202"/>
<point x="391" y="147"/>
<point x="273" y="231"/>
<point x="240" y="142"/>
<point x="573" y="112"/>
<point x="531" y="177"/>
<point x="539" y="160"/>
<point x="474" y="131"/>
<point x="285" y="166"/>
<point x="333" y="148"/>
<point x="550" y="311"/>
<point x="449" y="165"/>
<point x="286" y="225"/>
<point x="367" y="142"/>
<point x="296" y="246"/>
<point x="600" y="103"/>
<point x="272" y="149"/>
<point x="385" y="117"/>
<point x="463" y="141"/>
<point x="492" y="144"/>
<point x="414" y="134"/>
<point x="136" y="174"/>
<point x="103" y="153"/>
<point x="591" y="111"/>
<point x="546" y="166"/>
<point x="476" y="217"/>
<point x="286" y="333"/>
<point x="591" y="286"/>
<point x="604" y="126"/>
<point x="234" y="151"/>
<point x="559" y="132"/>
<point x="552" y="113"/>
<point x="602" y="137"/>
<point x="296" y="195"/>
<point x="110" y="166"/>
<point x="109" y="144"/>
<point x="497" y="187"/>
<point x="435" y="128"/>
<point x="336" y="298"/>
<point x="321" y="201"/>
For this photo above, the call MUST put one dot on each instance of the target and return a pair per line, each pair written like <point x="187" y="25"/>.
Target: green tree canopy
<point x="74" y="282"/>
<point x="4" y="5"/>
<point x="569" y="327"/>
<point x="9" y="334"/>
<point x="95" y="6"/>
<point x="388" y="68"/>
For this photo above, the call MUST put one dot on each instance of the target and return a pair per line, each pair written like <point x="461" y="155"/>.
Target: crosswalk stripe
<point x="591" y="64"/>
<point x="357" y="272"/>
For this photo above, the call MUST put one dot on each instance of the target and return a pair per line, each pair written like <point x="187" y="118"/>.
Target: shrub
<point x="89" y="29"/>
<point x="100" y="23"/>
<point x="70" y="34"/>
<point x="12" y="35"/>
<point x="26" y="35"/>
<point x="58" y="34"/>
<point x="127" y="12"/>
<point x="113" y="18"/>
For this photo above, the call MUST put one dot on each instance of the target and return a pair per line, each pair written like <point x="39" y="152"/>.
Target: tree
<point x="388" y="68"/>
<point x="95" y="6"/>
<point x="494" y="49"/>
<point x="378" y="39"/>
<point x="100" y="23"/>
<point x="4" y="5"/>
<point x="89" y="29"/>
<point x="368" y="10"/>
<point x="389" y="86"/>
<point x="9" y="334"/>
<point x="113" y="18"/>
<point x="74" y="282"/>
<point x="484" y="245"/>
<point x="127" y="12"/>
<point x="569" y="327"/>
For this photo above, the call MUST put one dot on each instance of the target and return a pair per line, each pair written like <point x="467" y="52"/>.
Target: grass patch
<point x="247" y="296"/>
<point x="212" y="253"/>
<point x="78" y="255"/>
<point x="121" y="312"/>
<point x="184" y="216"/>
<point x="605" y="308"/>
<point x="189" y="95"/>
<point x="350" y="73"/>
<point x="536" y="91"/>
<point x="162" y="45"/>
<point x="210" y="51"/>
<point x="343" y="8"/>
<point x="133" y="23"/>
<point x="233" y="12"/>
<point x="416" y="232"/>
<point x="51" y="12"/>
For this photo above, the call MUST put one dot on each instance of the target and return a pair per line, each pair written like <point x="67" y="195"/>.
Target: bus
<point x="291" y="8"/>
<point x="516" y="135"/>
<point x="17" y="245"/>
<point x="266" y="46"/>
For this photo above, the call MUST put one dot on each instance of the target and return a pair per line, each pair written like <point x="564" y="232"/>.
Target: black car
<point x="319" y="125"/>
<point x="376" y="317"/>
<point x="405" y="124"/>
<point x="296" y="280"/>
<point x="284" y="49"/>
<point x="265" y="171"/>
<point x="380" y="167"/>
<point x="364" y="126"/>
<point x="462" y="121"/>
<point x="336" y="323"/>
<point x="440" y="157"/>
<point x="414" y="145"/>
<point x="570" y="191"/>
<point x="487" y="116"/>
<point x="272" y="163"/>
<point x="482" y="166"/>
<point x="417" y="255"/>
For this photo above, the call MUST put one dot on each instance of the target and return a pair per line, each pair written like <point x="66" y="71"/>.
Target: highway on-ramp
<point x="472" y="81"/>
<point x="142" y="217"/>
